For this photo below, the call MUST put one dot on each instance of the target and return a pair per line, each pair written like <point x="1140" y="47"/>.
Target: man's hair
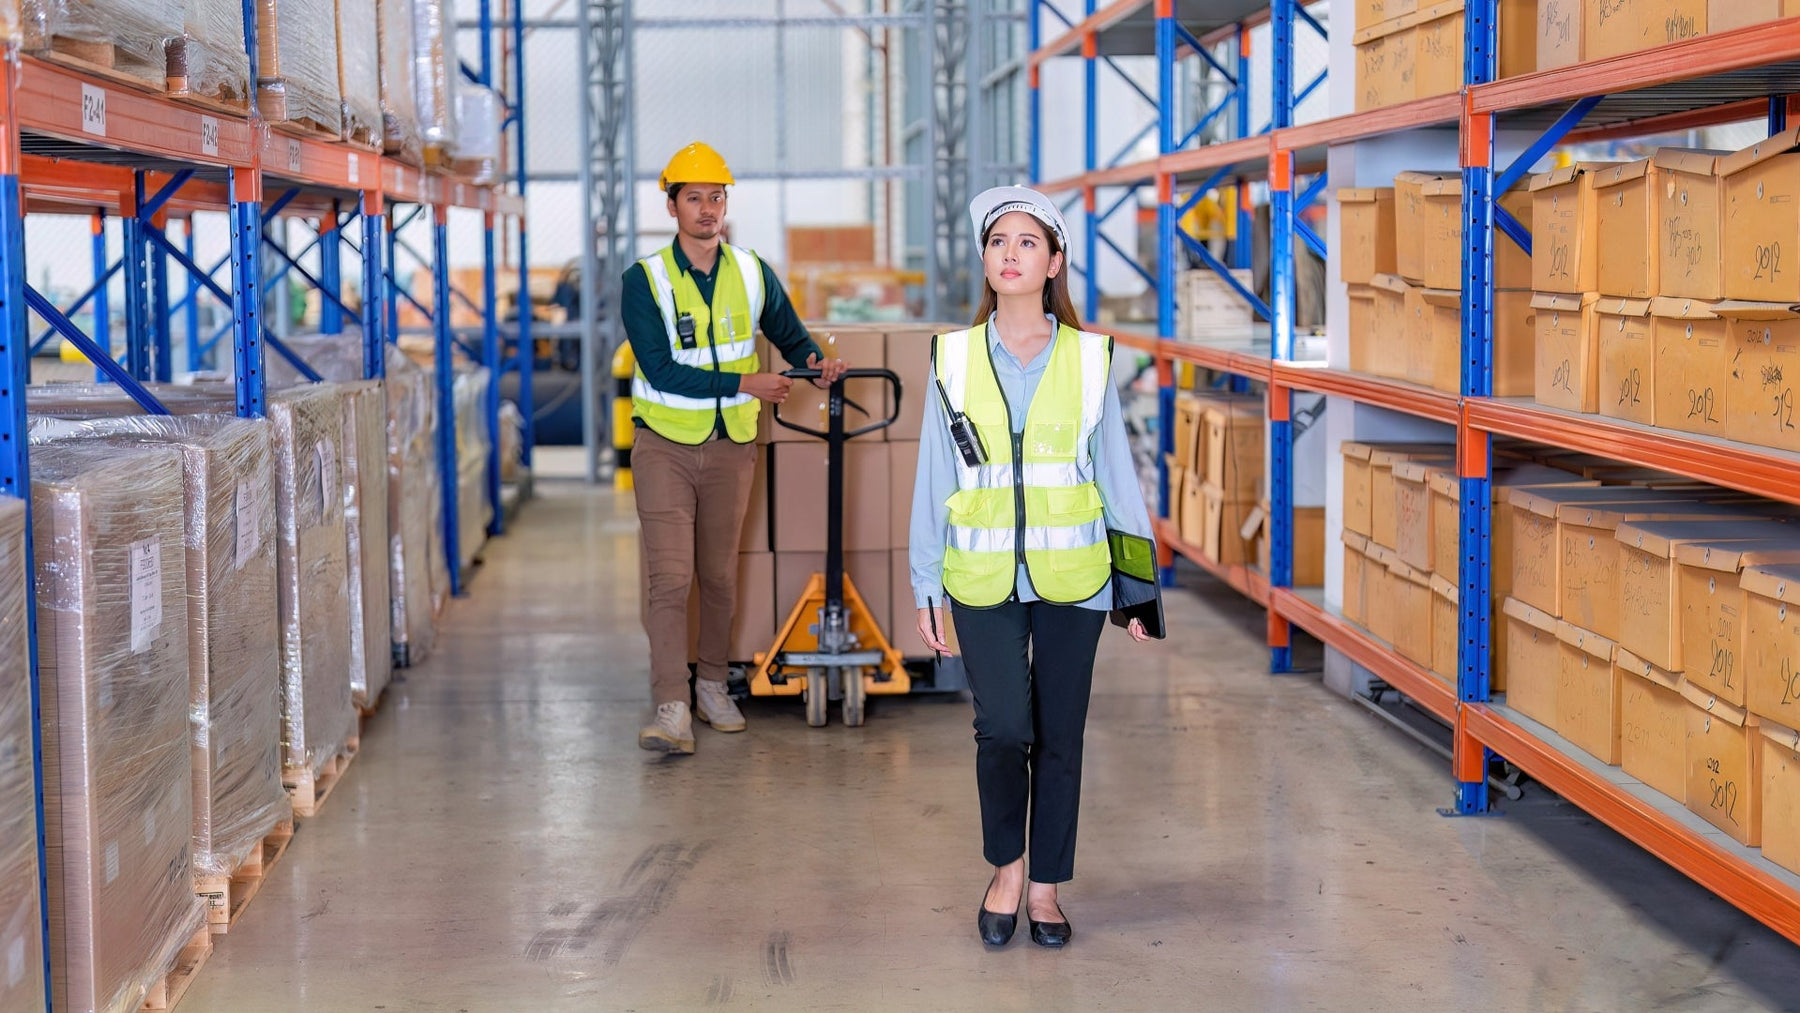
<point x="675" y="190"/>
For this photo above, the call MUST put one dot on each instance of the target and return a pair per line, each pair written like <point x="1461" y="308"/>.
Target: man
<point x="691" y="312"/>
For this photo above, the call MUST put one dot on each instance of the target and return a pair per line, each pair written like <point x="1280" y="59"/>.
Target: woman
<point x="1023" y="467"/>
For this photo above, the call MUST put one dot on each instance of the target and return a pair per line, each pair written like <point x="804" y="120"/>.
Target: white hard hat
<point x="991" y="204"/>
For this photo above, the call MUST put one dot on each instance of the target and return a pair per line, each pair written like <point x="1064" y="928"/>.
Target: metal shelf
<point x="1396" y="395"/>
<point x="1245" y="580"/>
<point x="1250" y="362"/>
<point x="1128" y="27"/>
<point x="1311" y="138"/>
<point x="1366" y="650"/>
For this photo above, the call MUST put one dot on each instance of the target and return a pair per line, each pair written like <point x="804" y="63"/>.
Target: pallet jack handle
<point x="838" y="401"/>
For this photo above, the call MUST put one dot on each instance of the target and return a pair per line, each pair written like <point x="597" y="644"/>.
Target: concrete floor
<point x="1249" y="843"/>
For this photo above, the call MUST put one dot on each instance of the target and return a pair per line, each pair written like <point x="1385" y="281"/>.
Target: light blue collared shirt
<point x="1110" y="447"/>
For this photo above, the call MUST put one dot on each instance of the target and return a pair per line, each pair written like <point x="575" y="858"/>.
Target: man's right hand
<point x="770" y="387"/>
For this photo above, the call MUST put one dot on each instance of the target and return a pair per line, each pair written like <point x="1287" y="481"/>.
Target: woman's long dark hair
<point x="1056" y="291"/>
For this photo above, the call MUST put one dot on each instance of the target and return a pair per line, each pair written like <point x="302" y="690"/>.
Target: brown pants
<point x="690" y="503"/>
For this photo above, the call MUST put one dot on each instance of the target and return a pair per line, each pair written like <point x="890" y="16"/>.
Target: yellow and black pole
<point x="624" y="364"/>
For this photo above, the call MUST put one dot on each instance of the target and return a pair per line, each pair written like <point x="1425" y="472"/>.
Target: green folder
<point x="1136" y="594"/>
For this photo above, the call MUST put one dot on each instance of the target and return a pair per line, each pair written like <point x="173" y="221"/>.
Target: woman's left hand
<point x="1137" y="631"/>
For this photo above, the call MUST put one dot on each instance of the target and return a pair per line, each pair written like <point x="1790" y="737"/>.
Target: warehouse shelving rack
<point x="1713" y="79"/>
<point x="75" y="142"/>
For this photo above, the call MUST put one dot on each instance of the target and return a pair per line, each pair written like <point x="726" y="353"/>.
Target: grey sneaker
<point x="671" y="732"/>
<point x="713" y="705"/>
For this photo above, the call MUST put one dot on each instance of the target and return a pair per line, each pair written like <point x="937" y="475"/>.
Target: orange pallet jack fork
<point x="831" y="647"/>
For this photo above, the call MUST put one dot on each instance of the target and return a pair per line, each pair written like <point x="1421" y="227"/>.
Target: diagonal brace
<point x="99" y="357"/>
<point x="1211" y="261"/>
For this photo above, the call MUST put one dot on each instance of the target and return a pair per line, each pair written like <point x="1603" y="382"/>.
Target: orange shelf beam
<point x="1094" y="23"/>
<point x="1757" y="470"/>
<point x="1217" y="156"/>
<point x="59" y="102"/>
<point x="1392" y="394"/>
<point x="1425" y="112"/>
<point x="1359" y="646"/>
<point x="1755" y="891"/>
<point x="1118" y="175"/>
<point x="1128" y="339"/>
<point x="1224" y="360"/>
<point x="1242" y="579"/>
<point x="309" y="161"/>
<point x="1704" y="56"/>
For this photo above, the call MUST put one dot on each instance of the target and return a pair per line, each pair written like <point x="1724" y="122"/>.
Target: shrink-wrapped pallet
<point x="477" y="153"/>
<point x="399" y="113"/>
<point x="359" y="71"/>
<point x="366" y="524"/>
<point x="113" y="661"/>
<point x="297" y="63"/>
<point x="412" y="499"/>
<point x="207" y="59"/>
<point x="473" y="509"/>
<point x="317" y="718"/>
<point x="234" y="645"/>
<point x="21" y="939"/>
<point x="434" y="77"/>
<point x="125" y="37"/>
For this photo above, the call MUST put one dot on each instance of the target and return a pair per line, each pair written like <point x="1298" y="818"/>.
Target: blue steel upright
<point x="1167" y="221"/>
<point x="246" y="293"/>
<point x="1090" y="161"/>
<point x="138" y="325"/>
<point x="331" y="273"/>
<point x="374" y="284"/>
<point x="446" y="391"/>
<point x="102" y="298"/>
<point x="162" y="336"/>
<point x="1281" y="300"/>
<point x="527" y="357"/>
<point x="190" y="303"/>
<point x="493" y="360"/>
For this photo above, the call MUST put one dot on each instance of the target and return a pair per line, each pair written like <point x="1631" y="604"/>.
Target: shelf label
<point x="146" y="592"/>
<point x="355" y="168"/>
<point x="93" y="110"/>
<point x="249" y="524"/>
<point x="209" y="136"/>
<point x="294" y="159"/>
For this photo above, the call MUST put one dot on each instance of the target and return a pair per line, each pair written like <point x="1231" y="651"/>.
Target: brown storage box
<point x="366" y="524"/>
<point x="1615" y="27"/>
<point x="1587" y="693"/>
<point x="1565" y="238"/>
<point x="1537" y="553"/>
<point x="1234" y="448"/>
<point x="1356" y="577"/>
<point x="1441" y="218"/>
<point x="1567" y="352"/>
<point x="1515" y="344"/>
<point x="1394" y="310"/>
<point x="1413" y="517"/>
<point x="1693" y="366"/>
<point x="1359" y="490"/>
<point x="1379" y="606"/>
<point x="801" y="489"/>
<point x="1414" y="221"/>
<point x="1690" y="217"/>
<point x="908" y="355"/>
<point x="1370" y="13"/>
<point x="297" y="64"/>
<point x="1625" y="195"/>
<point x="1591" y="552"/>
<point x="1363" y="338"/>
<point x="1223" y="541"/>
<point x="1712" y="608"/>
<point x="1383" y="520"/>
<point x="1385" y="59"/>
<point x="1193" y="511"/>
<point x="1771" y="655"/>
<point x="1649" y="584"/>
<point x="758" y="613"/>
<point x="831" y="244"/>
<point x="1763" y="342"/>
<point x="1780" y="760"/>
<point x="1724" y="766"/>
<point x="1188" y="433"/>
<point x="359" y="73"/>
<point x="1652" y="725"/>
<point x="1559" y="30"/>
<point x="1627" y="385"/>
<point x="1412" y="612"/>
<point x="808" y="406"/>
<point x="1724" y="15"/>
<point x="113" y="663"/>
<point x="1533" y="661"/>
<point x="20" y="932"/>
<point x="1366" y="231"/>
<point x="1438" y="356"/>
<point x="1419" y="53"/>
<point x="903" y="469"/>
<point x="1446" y="517"/>
<point x="1762" y="188"/>
<point x="1445" y="636"/>
<point x="1309" y="545"/>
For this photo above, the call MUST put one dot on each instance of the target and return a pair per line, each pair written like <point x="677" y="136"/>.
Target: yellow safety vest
<point x="724" y="340"/>
<point x="1035" y="501"/>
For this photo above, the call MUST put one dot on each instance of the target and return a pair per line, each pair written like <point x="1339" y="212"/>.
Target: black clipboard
<point x="1136" y="593"/>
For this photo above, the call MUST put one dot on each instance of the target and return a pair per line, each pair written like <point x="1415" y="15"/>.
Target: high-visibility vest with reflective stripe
<point x="724" y="340"/>
<point x="1035" y="501"/>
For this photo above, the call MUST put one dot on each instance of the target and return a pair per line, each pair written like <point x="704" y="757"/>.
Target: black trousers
<point x="1030" y="665"/>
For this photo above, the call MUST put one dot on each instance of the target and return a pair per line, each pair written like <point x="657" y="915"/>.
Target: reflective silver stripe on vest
<point x="1000" y="476"/>
<point x="665" y="293"/>
<point x="1093" y="395"/>
<point x="1079" y="536"/>
<point x="753" y="287"/>
<point x="641" y="389"/>
<point x="702" y="357"/>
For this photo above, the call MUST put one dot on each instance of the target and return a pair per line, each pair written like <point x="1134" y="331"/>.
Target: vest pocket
<point x="1065" y="506"/>
<point x="981" y="508"/>
<point x="1052" y="441"/>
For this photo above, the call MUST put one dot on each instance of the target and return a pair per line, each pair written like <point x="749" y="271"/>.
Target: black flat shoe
<point x="995" y="929"/>
<point x="1052" y="934"/>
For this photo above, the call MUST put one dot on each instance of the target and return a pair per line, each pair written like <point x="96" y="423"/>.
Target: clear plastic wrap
<point x="234" y="642"/>
<point x="317" y="719"/>
<point x="208" y="58"/>
<point x="512" y="442"/>
<point x="337" y="358"/>
<point x="366" y="524"/>
<point x="359" y="70"/>
<point x="477" y="152"/>
<point x="21" y="941"/>
<point x="434" y="75"/>
<point x="473" y="511"/>
<point x="118" y="778"/>
<point x="297" y="62"/>
<point x="127" y="36"/>
<point x="412" y="491"/>
<point x="399" y="113"/>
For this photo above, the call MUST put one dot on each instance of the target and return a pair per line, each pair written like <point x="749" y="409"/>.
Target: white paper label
<point x="355" y="168"/>
<point x="330" y="490"/>
<point x="15" y="962"/>
<point x="93" y="110"/>
<point x="209" y="136"/>
<point x="249" y="527"/>
<point x="112" y="861"/>
<point x="146" y="592"/>
<point x="294" y="159"/>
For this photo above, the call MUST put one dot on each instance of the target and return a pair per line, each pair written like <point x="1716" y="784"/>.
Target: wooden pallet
<point x="228" y="97"/>
<point x="273" y="104"/>
<point x="168" y="991"/>
<point x="309" y="791"/>
<point x="101" y="59"/>
<point x="227" y="895"/>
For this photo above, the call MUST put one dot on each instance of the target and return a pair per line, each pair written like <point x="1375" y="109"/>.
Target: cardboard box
<point x="1724" y="765"/>
<point x="1587" y="693"/>
<point x="1615" y="27"/>
<point x="1780" y="759"/>
<point x="1591" y="551"/>
<point x="1394" y="304"/>
<point x="1625" y="195"/>
<point x="1385" y="56"/>
<point x="1649" y="585"/>
<point x="1441" y="349"/>
<point x="1441" y="216"/>
<point x="1515" y="343"/>
<point x="755" y="620"/>
<point x="1725" y="15"/>
<point x="1370" y="13"/>
<point x="1419" y="53"/>
<point x="1358" y="486"/>
<point x="1533" y="661"/>
<point x="1762" y="220"/>
<point x="867" y="571"/>
<point x="1193" y="510"/>
<point x="1690" y="217"/>
<point x="1380" y="607"/>
<point x="1412" y="593"/>
<point x="1383" y="503"/>
<point x="903" y="468"/>
<point x="1763" y="342"/>
<point x="1565" y="238"/>
<point x="1712" y="603"/>
<point x="1356" y="577"/>
<point x="1771" y="653"/>
<point x="1308" y="545"/>
<point x="1559" y="33"/>
<point x="1693" y="366"/>
<point x="1627" y="384"/>
<point x="756" y="533"/>
<point x="1652" y="725"/>
<point x="1363" y="337"/>
<point x="908" y="355"/>
<point x="1413" y="517"/>
<point x="1188" y="435"/>
<point x="1208" y="308"/>
<point x="800" y="491"/>
<point x="808" y="406"/>
<point x="1224" y="518"/>
<point x="1445" y="630"/>
<point x="1366" y="233"/>
<point x="1234" y="448"/>
<point x="1567" y="351"/>
<point x="1414" y="221"/>
<point x="1534" y="543"/>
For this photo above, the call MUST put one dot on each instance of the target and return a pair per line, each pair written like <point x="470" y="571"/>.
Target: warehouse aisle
<point x="1250" y="843"/>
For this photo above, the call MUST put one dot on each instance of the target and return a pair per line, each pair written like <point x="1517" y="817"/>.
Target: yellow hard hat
<point x="696" y="163"/>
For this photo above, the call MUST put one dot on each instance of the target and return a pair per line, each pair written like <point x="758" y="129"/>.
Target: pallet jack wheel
<point x="817" y="696"/>
<point x="856" y="696"/>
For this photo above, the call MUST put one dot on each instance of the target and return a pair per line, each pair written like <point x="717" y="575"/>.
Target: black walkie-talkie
<point x="967" y="437"/>
<point x="684" y="329"/>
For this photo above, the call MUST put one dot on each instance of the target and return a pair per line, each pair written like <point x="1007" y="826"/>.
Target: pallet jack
<point x="831" y="647"/>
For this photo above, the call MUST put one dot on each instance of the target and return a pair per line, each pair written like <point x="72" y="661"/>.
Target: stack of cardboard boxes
<point x="1390" y="552"/>
<point x="1575" y="31"/>
<point x="1413" y="49"/>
